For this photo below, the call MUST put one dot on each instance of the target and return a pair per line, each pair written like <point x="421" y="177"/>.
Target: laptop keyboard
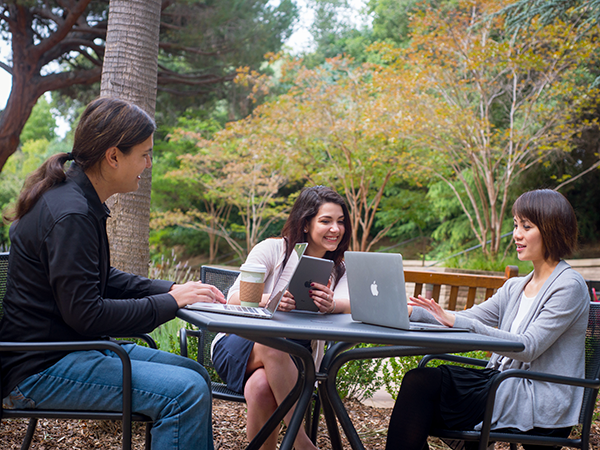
<point x="247" y="309"/>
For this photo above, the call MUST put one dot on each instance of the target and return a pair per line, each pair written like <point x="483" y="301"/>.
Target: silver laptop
<point x="279" y="289"/>
<point x="378" y="293"/>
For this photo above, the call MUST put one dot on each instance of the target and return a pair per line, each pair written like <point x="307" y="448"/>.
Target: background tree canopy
<point x="429" y="117"/>
<point x="59" y="46"/>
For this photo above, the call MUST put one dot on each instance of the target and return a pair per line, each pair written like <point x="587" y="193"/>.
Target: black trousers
<point x="417" y="411"/>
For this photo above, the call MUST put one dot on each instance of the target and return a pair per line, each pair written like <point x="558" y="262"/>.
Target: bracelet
<point x="334" y="306"/>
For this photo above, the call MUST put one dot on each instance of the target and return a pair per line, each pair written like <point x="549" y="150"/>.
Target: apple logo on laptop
<point x="374" y="290"/>
<point x="307" y="283"/>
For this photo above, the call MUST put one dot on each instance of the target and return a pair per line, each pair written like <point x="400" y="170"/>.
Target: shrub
<point x="360" y="379"/>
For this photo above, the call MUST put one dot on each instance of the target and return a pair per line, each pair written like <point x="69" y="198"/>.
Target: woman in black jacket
<point x="61" y="288"/>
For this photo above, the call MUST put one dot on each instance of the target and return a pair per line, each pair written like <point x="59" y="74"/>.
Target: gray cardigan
<point x="553" y="332"/>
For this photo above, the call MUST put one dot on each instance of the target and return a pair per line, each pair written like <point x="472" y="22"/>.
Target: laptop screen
<point x="285" y="276"/>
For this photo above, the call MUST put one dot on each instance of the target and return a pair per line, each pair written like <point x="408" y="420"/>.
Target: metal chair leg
<point x="148" y="435"/>
<point x="29" y="434"/>
<point x="314" y="428"/>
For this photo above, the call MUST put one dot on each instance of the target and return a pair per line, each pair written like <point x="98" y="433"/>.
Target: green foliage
<point x="409" y="210"/>
<point x="173" y="192"/>
<point x="394" y="369"/>
<point x="164" y="240"/>
<point x="204" y="44"/>
<point x="583" y="193"/>
<point x="201" y="45"/>
<point x="334" y="35"/>
<point x="586" y="13"/>
<point x="359" y="379"/>
<point x="168" y="268"/>
<point x="391" y="19"/>
<point x="476" y="260"/>
<point x="41" y="123"/>
<point x="34" y="150"/>
<point x="453" y="233"/>
<point x="166" y="335"/>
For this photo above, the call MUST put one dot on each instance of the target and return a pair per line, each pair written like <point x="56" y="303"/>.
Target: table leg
<point x="322" y="376"/>
<point x="302" y="392"/>
<point x="332" y="397"/>
<point x="330" y="419"/>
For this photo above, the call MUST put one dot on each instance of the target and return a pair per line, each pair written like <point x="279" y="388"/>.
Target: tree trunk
<point x="130" y="72"/>
<point x="28" y="84"/>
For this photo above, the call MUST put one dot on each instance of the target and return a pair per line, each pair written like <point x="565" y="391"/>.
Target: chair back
<point x="592" y="361"/>
<point x="3" y="278"/>
<point x="223" y="279"/>
<point x="594" y="287"/>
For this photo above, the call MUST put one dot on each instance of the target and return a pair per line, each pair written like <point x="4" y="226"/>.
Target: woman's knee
<point x="265" y="353"/>
<point x="257" y="390"/>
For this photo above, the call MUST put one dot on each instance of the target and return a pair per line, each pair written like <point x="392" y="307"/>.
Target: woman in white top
<point x="266" y="376"/>
<point x="547" y="311"/>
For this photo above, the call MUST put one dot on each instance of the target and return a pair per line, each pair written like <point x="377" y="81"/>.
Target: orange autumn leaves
<point x="466" y="101"/>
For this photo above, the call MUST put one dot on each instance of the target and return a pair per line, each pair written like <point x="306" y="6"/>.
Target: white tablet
<point x="309" y="270"/>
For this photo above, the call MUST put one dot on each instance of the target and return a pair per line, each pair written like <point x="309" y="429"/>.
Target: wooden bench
<point x="456" y="280"/>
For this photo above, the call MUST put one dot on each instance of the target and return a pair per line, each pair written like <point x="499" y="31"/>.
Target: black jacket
<point x="60" y="283"/>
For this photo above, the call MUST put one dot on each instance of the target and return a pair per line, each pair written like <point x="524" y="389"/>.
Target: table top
<point x="341" y="327"/>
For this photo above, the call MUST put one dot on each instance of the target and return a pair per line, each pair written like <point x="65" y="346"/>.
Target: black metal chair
<point x="126" y="416"/>
<point x="222" y="279"/>
<point x="591" y="383"/>
<point x="594" y="287"/>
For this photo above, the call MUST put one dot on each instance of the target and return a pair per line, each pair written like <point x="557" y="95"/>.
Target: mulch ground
<point x="228" y="426"/>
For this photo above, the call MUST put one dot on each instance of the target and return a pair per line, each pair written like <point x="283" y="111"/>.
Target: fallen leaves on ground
<point x="229" y="428"/>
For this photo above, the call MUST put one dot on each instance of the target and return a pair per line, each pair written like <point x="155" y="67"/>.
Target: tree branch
<point x="6" y="67"/>
<point x="182" y="93"/>
<point x="570" y="180"/>
<point x="194" y="50"/>
<point x="65" y="26"/>
<point x="164" y="78"/>
<point x="61" y="80"/>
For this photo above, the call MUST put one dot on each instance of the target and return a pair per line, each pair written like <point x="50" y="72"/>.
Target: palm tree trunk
<point x="130" y="72"/>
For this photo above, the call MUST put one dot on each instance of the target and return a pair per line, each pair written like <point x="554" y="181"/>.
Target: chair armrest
<point x="453" y="358"/>
<point x="183" y="345"/>
<point x="143" y="337"/>
<point x="81" y="346"/>
<point x="538" y="376"/>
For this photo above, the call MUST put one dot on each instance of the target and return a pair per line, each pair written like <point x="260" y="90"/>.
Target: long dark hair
<point x="305" y="208"/>
<point x="105" y="123"/>
<point x="554" y="216"/>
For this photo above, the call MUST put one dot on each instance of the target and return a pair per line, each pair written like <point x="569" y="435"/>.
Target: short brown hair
<point x="554" y="216"/>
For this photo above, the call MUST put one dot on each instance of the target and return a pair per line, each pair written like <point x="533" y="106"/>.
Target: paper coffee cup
<point x="252" y="284"/>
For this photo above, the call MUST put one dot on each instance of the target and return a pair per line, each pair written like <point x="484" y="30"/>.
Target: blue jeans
<point x="172" y="390"/>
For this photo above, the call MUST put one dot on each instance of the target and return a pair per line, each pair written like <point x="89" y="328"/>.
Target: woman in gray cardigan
<point x="547" y="311"/>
